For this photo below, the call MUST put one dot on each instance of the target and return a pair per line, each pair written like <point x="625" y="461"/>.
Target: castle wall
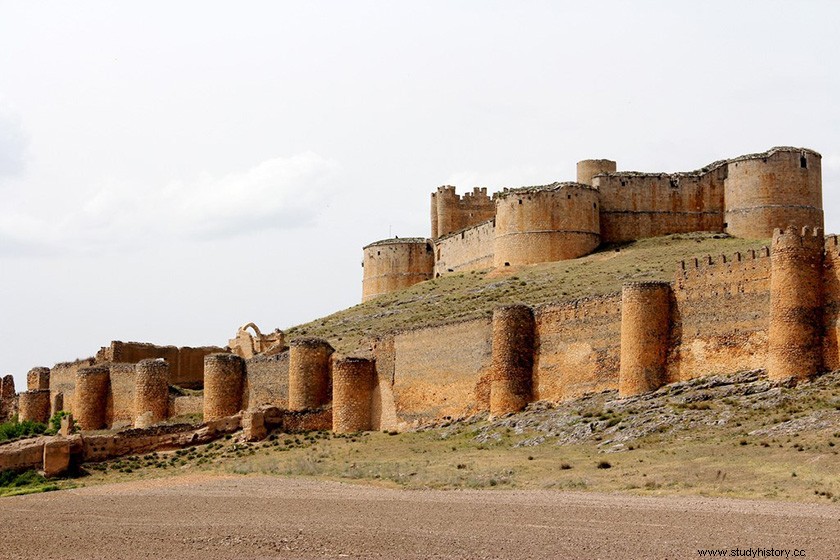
<point x="469" y="249"/>
<point x="119" y="409"/>
<point x="442" y="371"/>
<point x="38" y="378"/>
<point x="831" y="304"/>
<point x="577" y="348"/>
<point x="640" y="205"/>
<point x="186" y="364"/>
<point x="720" y="315"/>
<point x="63" y="380"/>
<point x="775" y="189"/>
<point x="546" y="224"/>
<point x="395" y="264"/>
<point x="34" y="405"/>
<point x="266" y="381"/>
<point x="91" y="397"/>
<point x="451" y="212"/>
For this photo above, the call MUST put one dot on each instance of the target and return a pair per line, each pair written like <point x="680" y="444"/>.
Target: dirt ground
<point x="255" y="517"/>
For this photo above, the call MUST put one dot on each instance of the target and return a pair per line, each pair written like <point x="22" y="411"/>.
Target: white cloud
<point x="279" y="193"/>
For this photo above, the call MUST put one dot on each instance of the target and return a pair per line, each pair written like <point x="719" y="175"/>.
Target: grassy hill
<point x="475" y="294"/>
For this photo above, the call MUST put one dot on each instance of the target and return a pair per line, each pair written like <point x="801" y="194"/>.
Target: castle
<point x="777" y="308"/>
<point x="747" y="196"/>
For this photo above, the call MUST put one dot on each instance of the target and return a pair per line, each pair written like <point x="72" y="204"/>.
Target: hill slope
<point x="475" y="294"/>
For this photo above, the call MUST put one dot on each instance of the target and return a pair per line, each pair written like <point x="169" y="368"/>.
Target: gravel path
<point x="227" y="517"/>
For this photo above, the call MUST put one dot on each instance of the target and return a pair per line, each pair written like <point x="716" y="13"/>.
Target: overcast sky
<point x="172" y="170"/>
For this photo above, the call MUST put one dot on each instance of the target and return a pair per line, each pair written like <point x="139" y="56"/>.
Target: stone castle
<point x="747" y="196"/>
<point x="777" y="308"/>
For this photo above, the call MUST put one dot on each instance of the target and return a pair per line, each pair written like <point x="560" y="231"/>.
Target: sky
<point x="170" y="171"/>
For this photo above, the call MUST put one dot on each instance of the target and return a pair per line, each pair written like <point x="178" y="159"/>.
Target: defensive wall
<point x="748" y="196"/>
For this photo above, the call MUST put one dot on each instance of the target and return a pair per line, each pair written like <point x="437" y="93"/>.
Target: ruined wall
<point x="119" y="411"/>
<point x="451" y="212"/>
<point x="395" y="264"/>
<point x="34" y="405"/>
<point x="38" y="378"/>
<point x="266" y="381"/>
<point x="186" y="364"/>
<point x="831" y="303"/>
<point x="469" y="249"/>
<point x="383" y="407"/>
<point x="720" y="315"/>
<point x="775" y="189"/>
<point x="546" y="224"/>
<point x="578" y="347"/>
<point x="8" y="398"/>
<point x="63" y="380"/>
<point x="639" y="205"/>
<point x="442" y="371"/>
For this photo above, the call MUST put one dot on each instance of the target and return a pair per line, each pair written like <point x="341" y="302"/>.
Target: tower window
<point x="803" y="162"/>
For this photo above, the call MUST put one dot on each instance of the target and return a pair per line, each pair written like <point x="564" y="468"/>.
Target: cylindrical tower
<point x="774" y="189"/>
<point x="151" y="390"/>
<point x="511" y="386"/>
<point x="34" y="405"/>
<point x="546" y="224"/>
<point x="395" y="264"/>
<point x="91" y="394"/>
<point x="38" y="378"/>
<point x="309" y="373"/>
<point x="353" y="382"/>
<point x="446" y="207"/>
<point x="588" y="168"/>
<point x="223" y="380"/>
<point x="645" y="328"/>
<point x="796" y="295"/>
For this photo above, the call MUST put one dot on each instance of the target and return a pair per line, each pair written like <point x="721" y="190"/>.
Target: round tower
<point x="353" y="382"/>
<point x="91" y="396"/>
<point x="223" y="380"/>
<point x="151" y="390"/>
<point x="774" y="189"/>
<point x="645" y="328"/>
<point x="34" y="405"/>
<point x="588" y="168"/>
<point x="395" y="264"/>
<point x="546" y="224"/>
<point x="309" y="373"/>
<point x="512" y="359"/>
<point x="38" y="378"/>
<point x="795" y="337"/>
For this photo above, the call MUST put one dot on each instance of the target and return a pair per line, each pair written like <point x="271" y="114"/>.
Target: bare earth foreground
<point x="204" y="516"/>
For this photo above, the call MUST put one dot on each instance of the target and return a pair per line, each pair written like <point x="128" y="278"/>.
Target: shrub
<point x="15" y="429"/>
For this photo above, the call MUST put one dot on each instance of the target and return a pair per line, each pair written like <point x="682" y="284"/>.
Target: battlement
<point x="793" y="238"/>
<point x="705" y="267"/>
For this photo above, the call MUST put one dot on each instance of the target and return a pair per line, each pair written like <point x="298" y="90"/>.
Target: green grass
<point x="472" y="295"/>
<point x="29" y="482"/>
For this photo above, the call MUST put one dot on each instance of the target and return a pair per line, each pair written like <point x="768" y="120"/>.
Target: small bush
<point x="15" y="429"/>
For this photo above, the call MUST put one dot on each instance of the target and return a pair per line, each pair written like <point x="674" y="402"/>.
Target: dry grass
<point x="475" y="294"/>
